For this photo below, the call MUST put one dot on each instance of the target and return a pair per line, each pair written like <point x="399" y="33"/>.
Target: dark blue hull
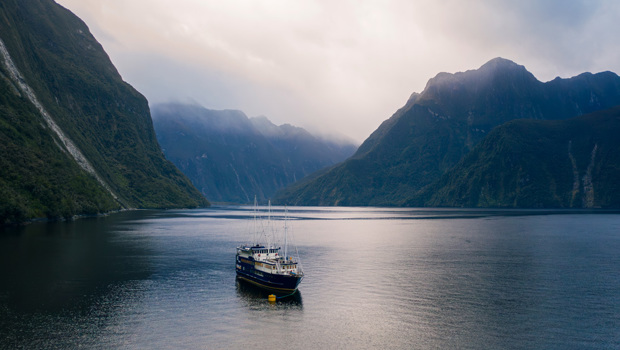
<point x="284" y="283"/>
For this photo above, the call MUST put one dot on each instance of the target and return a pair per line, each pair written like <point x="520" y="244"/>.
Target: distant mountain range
<point x="74" y="137"/>
<point x="232" y="158"/>
<point x="437" y="128"/>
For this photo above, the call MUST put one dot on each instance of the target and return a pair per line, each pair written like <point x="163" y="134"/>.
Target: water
<point x="375" y="279"/>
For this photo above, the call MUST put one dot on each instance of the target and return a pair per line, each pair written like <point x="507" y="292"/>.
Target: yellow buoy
<point x="272" y="298"/>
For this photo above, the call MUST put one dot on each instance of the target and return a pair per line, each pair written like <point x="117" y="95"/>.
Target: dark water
<point x="375" y="279"/>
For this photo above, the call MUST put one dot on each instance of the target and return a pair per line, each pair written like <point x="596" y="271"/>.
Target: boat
<point x="266" y="265"/>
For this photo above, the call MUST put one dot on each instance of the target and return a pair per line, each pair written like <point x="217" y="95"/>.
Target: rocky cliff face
<point x="59" y="89"/>
<point x="439" y="126"/>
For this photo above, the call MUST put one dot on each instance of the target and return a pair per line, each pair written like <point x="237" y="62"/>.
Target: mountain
<point x="438" y="127"/>
<point x="232" y="158"/>
<point x="305" y="152"/>
<point x="572" y="163"/>
<point x="74" y="137"/>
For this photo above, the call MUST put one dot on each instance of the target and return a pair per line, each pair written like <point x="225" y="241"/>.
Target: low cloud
<point x="338" y="65"/>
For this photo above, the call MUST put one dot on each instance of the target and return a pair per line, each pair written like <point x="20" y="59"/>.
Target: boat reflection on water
<point x="253" y="293"/>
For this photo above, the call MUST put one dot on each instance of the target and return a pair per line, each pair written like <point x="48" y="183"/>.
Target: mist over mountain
<point x="232" y="158"/>
<point x="74" y="137"/>
<point x="438" y="127"/>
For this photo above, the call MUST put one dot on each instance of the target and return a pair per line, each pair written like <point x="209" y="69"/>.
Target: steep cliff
<point x="572" y="163"/>
<point x="70" y="123"/>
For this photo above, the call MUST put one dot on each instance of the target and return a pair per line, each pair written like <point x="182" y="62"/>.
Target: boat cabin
<point x="267" y="259"/>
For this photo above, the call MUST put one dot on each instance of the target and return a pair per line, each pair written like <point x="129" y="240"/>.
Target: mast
<point x="255" y="228"/>
<point x="285" y="232"/>
<point x="270" y="228"/>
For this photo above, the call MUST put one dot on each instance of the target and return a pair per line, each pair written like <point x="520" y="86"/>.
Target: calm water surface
<point x="375" y="279"/>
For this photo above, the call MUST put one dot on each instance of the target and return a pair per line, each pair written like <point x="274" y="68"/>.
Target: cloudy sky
<point x="338" y="66"/>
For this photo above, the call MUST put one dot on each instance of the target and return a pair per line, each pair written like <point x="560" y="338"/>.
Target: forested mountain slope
<point x="438" y="127"/>
<point x="76" y="138"/>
